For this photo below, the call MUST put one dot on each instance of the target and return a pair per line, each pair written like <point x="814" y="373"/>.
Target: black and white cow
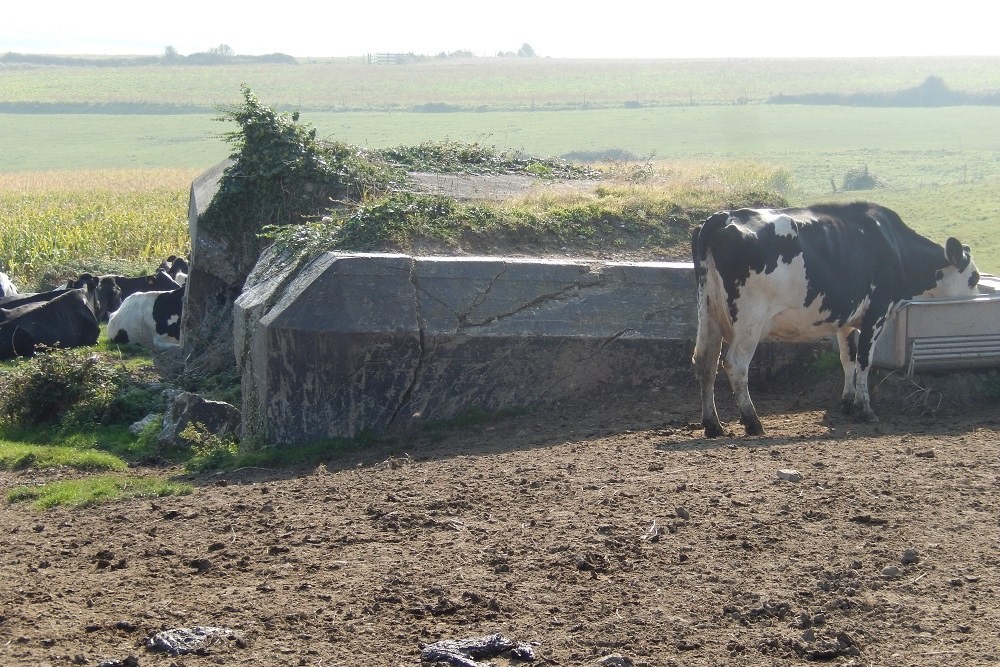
<point x="177" y="268"/>
<point x="66" y="320"/>
<point x="150" y="319"/>
<point x="798" y="274"/>
<point x="7" y="287"/>
<point x="88" y="284"/>
<point x="112" y="290"/>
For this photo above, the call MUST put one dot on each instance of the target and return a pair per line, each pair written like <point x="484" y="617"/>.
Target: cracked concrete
<point x="377" y="342"/>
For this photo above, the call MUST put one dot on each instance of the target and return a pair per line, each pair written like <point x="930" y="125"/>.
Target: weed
<point x="824" y="362"/>
<point x="210" y="451"/>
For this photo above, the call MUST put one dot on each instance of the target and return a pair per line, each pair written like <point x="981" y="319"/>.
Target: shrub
<point x="861" y="179"/>
<point x="72" y="387"/>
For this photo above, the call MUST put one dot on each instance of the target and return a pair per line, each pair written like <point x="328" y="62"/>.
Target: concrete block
<point x="356" y="342"/>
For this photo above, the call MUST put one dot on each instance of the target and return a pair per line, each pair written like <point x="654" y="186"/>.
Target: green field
<point x="940" y="166"/>
<point x="490" y="83"/>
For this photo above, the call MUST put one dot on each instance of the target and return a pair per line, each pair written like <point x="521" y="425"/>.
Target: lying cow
<point x="67" y="320"/>
<point x="798" y="274"/>
<point x="177" y="268"/>
<point x="150" y="319"/>
<point x="112" y="290"/>
<point x="7" y="287"/>
<point x="90" y="286"/>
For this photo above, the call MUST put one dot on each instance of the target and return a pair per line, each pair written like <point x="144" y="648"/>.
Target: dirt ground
<point x="608" y="532"/>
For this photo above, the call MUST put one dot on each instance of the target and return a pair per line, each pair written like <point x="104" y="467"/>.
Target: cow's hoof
<point x="713" y="430"/>
<point x="754" y="429"/>
<point x="870" y="417"/>
<point x="847" y="406"/>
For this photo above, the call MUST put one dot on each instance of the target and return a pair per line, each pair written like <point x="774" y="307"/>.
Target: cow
<point x="88" y="284"/>
<point x="798" y="274"/>
<point x="150" y="319"/>
<point x="7" y="287"/>
<point x="66" y="320"/>
<point x="112" y="290"/>
<point x="177" y="268"/>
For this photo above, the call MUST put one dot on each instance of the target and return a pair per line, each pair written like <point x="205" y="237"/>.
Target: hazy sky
<point x="625" y="29"/>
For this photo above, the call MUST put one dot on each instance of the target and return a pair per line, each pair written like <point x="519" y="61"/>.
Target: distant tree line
<point x="220" y="55"/>
<point x="931" y="93"/>
<point x="224" y="55"/>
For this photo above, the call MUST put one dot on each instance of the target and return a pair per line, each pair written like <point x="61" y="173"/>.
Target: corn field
<point x="54" y="225"/>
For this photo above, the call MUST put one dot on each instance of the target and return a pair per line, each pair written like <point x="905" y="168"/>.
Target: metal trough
<point x="944" y="334"/>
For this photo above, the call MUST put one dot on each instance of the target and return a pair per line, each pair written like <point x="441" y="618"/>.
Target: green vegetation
<point x="481" y="84"/>
<point x="95" y="490"/>
<point x="20" y="456"/>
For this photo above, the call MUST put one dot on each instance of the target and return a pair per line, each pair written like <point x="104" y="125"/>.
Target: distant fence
<point x="389" y="58"/>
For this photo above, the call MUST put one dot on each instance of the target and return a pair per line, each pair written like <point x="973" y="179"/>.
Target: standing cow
<point x="798" y="274"/>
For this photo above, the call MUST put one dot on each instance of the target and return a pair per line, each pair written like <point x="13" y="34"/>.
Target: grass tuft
<point x="95" y="490"/>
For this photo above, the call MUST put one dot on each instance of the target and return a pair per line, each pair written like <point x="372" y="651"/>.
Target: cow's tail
<point x="701" y="238"/>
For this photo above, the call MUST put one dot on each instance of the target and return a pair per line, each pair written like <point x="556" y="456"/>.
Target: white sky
<point x="558" y="29"/>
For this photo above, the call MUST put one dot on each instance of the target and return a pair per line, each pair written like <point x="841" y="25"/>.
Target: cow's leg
<point x="867" y="337"/>
<point x="847" y="344"/>
<point x="736" y="361"/>
<point x="708" y="346"/>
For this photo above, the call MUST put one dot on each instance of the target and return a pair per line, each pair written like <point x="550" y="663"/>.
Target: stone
<point x="180" y="641"/>
<point x="789" y="475"/>
<point x="185" y="408"/>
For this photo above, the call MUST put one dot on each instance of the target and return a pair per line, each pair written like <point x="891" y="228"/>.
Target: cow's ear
<point x="956" y="252"/>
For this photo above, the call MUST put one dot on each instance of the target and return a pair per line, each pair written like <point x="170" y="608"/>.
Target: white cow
<point x="7" y="287"/>
<point x="150" y="319"/>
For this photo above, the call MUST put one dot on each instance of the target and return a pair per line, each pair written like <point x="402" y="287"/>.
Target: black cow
<point x="67" y="320"/>
<point x="90" y="285"/>
<point x="799" y="274"/>
<point x="177" y="268"/>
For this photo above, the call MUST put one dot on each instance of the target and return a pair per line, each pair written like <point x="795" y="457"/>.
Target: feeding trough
<point x="944" y="334"/>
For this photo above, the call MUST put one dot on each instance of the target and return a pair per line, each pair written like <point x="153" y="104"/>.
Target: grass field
<point x="490" y="83"/>
<point x="940" y="166"/>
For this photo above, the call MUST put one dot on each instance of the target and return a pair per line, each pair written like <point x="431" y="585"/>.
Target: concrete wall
<point x="356" y="342"/>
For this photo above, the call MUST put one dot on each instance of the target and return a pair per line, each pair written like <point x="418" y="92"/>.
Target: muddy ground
<point x="608" y="532"/>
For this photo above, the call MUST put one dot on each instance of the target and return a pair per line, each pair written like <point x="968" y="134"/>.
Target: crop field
<point x="939" y="167"/>
<point x="55" y="225"/>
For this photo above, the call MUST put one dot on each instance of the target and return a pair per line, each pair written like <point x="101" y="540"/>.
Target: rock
<point x="185" y="408"/>
<point x="467" y="652"/>
<point x="891" y="572"/>
<point x="682" y="513"/>
<point x="789" y="475"/>
<point x="186" y="640"/>
<point x="130" y="661"/>
<point x="615" y="660"/>
<point x="910" y="556"/>
<point x="139" y="426"/>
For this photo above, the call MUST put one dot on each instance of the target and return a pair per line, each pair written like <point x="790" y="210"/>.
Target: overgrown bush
<point x="861" y="179"/>
<point x="283" y="174"/>
<point x="72" y="388"/>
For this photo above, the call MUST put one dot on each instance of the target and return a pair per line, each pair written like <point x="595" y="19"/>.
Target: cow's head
<point x="960" y="276"/>
<point x="109" y="297"/>
<point x="88" y="283"/>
